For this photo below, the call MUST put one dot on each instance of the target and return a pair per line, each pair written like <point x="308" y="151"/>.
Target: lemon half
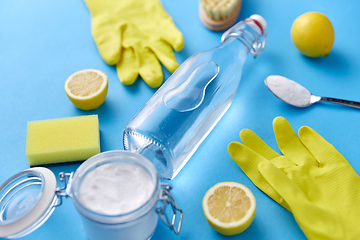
<point x="229" y="207"/>
<point x="87" y="89"/>
<point x="313" y="34"/>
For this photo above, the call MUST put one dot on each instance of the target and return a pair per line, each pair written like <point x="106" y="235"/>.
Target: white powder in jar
<point x="288" y="90"/>
<point x="116" y="188"/>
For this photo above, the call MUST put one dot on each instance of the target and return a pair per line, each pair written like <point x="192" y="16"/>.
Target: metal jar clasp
<point x="66" y="178"/>
<point x="167" y="199"/>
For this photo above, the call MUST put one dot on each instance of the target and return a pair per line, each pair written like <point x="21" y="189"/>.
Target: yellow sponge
<point x="62" y="140"/>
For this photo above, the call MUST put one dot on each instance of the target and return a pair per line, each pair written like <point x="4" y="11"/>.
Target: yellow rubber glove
<point x="316" y="221"/>
<point x="314" y="166"/>
<point x="135" y="35"/>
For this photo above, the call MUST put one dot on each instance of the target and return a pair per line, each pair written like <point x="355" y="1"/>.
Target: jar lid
<point x="27" y="199"/>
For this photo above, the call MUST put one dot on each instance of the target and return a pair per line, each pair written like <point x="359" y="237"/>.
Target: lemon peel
<point x="313" y="34"/>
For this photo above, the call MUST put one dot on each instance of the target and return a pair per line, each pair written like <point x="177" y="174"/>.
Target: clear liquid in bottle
<point x="175" y="121"/>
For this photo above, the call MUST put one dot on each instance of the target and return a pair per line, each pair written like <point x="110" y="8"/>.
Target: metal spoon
<point x="294" y="94"/>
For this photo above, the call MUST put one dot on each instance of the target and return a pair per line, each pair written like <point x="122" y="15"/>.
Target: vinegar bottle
<point x="174" y="122"/>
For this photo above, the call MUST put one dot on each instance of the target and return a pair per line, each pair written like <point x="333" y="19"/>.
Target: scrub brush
<point x="218" y="15"/>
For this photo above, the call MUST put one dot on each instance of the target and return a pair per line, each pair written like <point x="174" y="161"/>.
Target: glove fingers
<point x="322" y="150"/>
<point x="282" y="163"/>
<point x="248" y="161"/>
<point x="174" y="38"/>
<point x="127" y="67"/>
<point x="166" y="56"/>
<point x="170" y="33"/>
<point x="255" y="143"/>
<point x="149" y="67"/>
<point x="161" y="22"/>
<point x="167" y="30"/>
<point x="107" y="39"/>
<point x="315" y="221"/>
<point x="281" y="184"/>
<point x="290" y="145"/>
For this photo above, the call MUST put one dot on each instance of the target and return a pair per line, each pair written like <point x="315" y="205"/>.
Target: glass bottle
<point x="174" y="122"/>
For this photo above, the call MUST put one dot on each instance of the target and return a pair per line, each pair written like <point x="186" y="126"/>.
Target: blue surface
<point x="42" y="42"/>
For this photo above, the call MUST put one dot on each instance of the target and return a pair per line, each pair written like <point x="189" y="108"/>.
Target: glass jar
<point x="28" y="198"/>
<point x="26" y="202"/>
<point x="138" y="224"/>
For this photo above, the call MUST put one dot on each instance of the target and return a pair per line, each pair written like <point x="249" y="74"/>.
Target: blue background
<point x="42" y="42"/>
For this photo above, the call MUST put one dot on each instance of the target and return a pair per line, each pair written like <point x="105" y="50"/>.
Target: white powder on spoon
<point x="116" y="188"/>
<point x="289" y="91"/>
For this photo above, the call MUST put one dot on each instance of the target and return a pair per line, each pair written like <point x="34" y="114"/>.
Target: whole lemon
<point x="313" y="34"/>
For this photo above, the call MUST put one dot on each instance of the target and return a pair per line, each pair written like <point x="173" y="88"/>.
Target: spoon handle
<point x="341" y="101"/>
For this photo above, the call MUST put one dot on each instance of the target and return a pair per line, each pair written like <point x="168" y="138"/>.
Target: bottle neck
<point x="249" y="33"/>
<point x="233" y="46"/>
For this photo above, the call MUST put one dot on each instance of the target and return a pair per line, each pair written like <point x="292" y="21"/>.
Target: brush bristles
<point x="219" y="9"/>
